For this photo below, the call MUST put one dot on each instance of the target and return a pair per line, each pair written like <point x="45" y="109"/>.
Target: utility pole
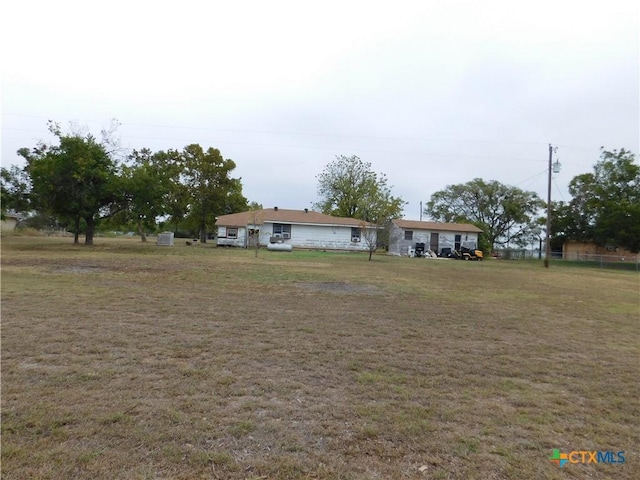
<point x="547" y="254"/>
<point x="420" y="210"/>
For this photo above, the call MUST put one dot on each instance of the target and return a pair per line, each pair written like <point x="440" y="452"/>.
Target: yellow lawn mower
<point x="466" y="253"/>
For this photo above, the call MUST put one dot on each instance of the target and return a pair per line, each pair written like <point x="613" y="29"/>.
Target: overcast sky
<point x="431" y="93"/>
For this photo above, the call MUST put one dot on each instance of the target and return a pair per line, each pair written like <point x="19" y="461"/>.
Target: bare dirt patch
<point x="338" y="287"/>
<point x="78" y="269"/>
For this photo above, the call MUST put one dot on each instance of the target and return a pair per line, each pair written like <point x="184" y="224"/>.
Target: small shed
<point x="436" y="236"/>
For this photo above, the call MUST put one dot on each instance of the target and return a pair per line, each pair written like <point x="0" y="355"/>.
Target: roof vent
<point x="306" y="210"/>
<point x="275" y="208"/>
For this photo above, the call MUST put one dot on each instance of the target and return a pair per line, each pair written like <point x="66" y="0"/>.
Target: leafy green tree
<point x="348" y="187"/>
<point x="74" y="179"/>
<point x="177" y="198"/>
<point x="15" y="186"/>
<point x="209" y="188"/>
<point x="505" y="214"/>
<point x="566" y="223"/>
<point x="605" y="207"/>
<point x="146" y="188"/>
<point x="42" y="221"/>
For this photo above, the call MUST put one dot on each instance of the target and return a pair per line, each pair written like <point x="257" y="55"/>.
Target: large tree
<point x="75" y="179"/>
<point x="210" y="189"/>
<point x="564" y="225"/>
<point x="505" y="214"/>
<point x="146" y="184"/>
<point x="348" y="187"/>
<point x="15" y="187"/>
<point x="605" y="207"/>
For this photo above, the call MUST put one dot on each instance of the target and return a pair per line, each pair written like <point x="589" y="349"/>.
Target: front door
<point x="433" y="242"/>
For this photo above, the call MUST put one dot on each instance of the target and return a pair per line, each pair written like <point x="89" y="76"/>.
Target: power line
<point x="358" y="149"/>
<point x="531" y="177"/>
<point x="267" y="132"/>
<point x="580" y="149"/>
<point x="558" y="189"/>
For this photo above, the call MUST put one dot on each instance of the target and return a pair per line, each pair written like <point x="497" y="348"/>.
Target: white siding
<point x="318" y="236"/>
<point x="223" y="241"/>
<point x="447" y="239"/>
<point x="399" y="246"/>
<point x="396" y="236"/>
<point x="302" y="236"/>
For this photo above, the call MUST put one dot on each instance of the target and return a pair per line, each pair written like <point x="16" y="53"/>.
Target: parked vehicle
<point x="467" y="254"/>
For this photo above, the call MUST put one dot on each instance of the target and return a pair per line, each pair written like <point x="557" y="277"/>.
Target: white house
<point x="435" y="236"/>
<point x="298" y="228"/>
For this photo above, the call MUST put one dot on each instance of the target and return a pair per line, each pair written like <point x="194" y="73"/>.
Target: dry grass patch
<point x="136" y="361"/>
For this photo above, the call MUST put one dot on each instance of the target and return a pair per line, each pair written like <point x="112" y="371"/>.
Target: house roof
<point x="449" y="227"/>
<point x="285" y="216"/>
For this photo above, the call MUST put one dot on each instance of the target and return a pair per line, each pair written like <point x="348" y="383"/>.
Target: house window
<point x="408" y="234"/>
<point x="355" y="234"/>
<point x="282" y="230"/>
<point x="457" y="242"/>
<point x="232" y="233"/>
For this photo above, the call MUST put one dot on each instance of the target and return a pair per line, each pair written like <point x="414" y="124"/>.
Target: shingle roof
<point x="284" y="216"/>
<point x="449" y="227"/>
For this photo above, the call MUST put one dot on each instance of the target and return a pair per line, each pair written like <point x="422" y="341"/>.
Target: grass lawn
<point x="131" y="361"/>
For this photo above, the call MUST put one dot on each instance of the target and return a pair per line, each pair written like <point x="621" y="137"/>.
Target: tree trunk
<point x="203" y="231"/>
<point x="370" y="254"/>
<point x="143" y="235"/>
<point x="88" y="238"/>
<point x="76" y="230"/>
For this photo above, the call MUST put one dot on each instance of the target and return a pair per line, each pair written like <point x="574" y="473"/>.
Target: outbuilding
<point x="437" y="237"/>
